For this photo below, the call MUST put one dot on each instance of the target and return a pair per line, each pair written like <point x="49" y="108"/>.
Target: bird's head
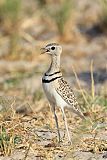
<point x="52" y="49"/>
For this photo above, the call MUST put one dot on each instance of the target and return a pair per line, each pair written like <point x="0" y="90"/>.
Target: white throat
<point x="55" y="64"/>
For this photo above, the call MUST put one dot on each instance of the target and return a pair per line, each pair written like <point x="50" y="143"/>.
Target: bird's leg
<point x="56" y="120"/>
<point x="66" y="125"/>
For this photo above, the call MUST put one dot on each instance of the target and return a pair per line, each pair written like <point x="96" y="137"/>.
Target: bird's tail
<point x="79" y="113"/>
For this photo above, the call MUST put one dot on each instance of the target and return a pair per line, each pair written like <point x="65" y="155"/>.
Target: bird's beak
<point x="44" y="50"/>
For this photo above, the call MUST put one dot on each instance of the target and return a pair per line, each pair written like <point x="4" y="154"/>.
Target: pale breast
<point x="48" y="82"/>
<point x="48" y="89"/>
<point x="53" y="96"/>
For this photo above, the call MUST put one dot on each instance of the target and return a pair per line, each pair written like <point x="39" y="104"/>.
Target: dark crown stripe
<point x="52" y="73"/>
<point x="52" y="44"/>
<point x="48" y="81"/>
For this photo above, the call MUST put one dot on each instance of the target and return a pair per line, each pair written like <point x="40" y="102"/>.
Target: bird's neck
<point x="55" y="64"/>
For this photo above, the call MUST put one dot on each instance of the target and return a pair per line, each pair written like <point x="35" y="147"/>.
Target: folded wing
<point x="66" y="92"/>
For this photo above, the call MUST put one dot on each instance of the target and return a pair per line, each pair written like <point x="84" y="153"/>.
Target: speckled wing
<point x="66" y="92"/>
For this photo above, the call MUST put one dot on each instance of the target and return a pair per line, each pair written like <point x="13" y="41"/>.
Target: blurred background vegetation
<point x="80" y="26"/>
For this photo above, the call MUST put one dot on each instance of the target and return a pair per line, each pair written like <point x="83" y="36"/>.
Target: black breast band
<point x="48" y="81"/>
<point x="52" y="73"/>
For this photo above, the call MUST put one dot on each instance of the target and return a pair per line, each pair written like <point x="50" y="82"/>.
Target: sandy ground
<point x="21" y="90"/>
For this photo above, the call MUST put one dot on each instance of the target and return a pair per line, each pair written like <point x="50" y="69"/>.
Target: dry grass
<point x="103" y="16"/>
<point x="10" y="21"/>
<point x="61" y="15"/>
<point x="17" y="132"/>
<point x="29" y="132"/>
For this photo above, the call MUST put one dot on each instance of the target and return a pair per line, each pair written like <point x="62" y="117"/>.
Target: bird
<point x="58" y="92"/>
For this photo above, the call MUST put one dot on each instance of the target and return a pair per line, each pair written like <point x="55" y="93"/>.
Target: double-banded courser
<point x="57" y="90"/>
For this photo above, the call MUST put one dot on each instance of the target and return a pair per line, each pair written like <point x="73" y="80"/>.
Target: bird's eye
<point x="53" y="48"/>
